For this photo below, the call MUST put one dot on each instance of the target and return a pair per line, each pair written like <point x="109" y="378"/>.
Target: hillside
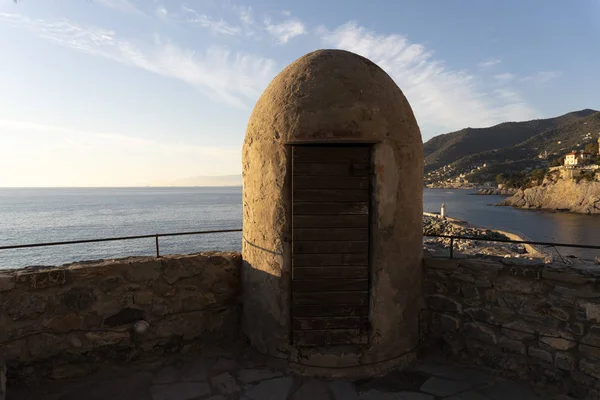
<point x="512" y="145"/>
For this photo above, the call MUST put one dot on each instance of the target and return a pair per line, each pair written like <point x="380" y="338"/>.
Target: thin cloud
<point x="442" y="98"/>
<point x="489" y="63"/>
<point x="504" y="77"/>
<point x="285" y="30"/>
<point x="215" y="26"/>
<point x="232" y="77"/>
<point x="123" y="6"/>
<point x="543" y="77"/>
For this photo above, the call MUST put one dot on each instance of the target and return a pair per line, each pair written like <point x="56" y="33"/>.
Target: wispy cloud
<point x="124" y="6"/>
<point x="543" y="77"/>
<point x="214" y="25"/>
<point x="504" y="77"/>
<point x="232" y="77"/>
<point x="286" y="30"/>
<point x="442" y="98"/>
<point x="489" y="63"/>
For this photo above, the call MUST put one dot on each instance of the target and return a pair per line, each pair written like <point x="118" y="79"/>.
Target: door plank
<point x="335" y="208"/>
<point x="316" y="260"/>
<point x="330" y="323"/>
<point x="329" y="285"/>
<point x="356" y="154"/>
<point x="307" y="234"/>
<point x="330" y="273"/>
<point x="330" y="247"/>
<point x="330" y="311"/>
<point x="331" y="182"/>
<point x="331" y="221"/>
<point x="331" y="298"/>
<point x="326" y="169"/>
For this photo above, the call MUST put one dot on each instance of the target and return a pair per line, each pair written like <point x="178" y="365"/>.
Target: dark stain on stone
<point x="125" y="316"/>
<point x="77" y="299"/>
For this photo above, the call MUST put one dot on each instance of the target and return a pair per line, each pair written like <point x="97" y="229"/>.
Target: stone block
<point x="440" y="263"/>
<point x="7" y="282"/>
<point x="590" y="367"/>
<point x="559" y="340"/>
<point x="66" y="323"/>
<point x="590" y="346"/>
<point x="565" y="361"/>
<point x="24" y="306"/>
<point x="312" y="390"/>
<point x="483" y="283"/>
<point x="106" y="338"/>
<point x="225" y="384"/>
<point x="582" y="292"/>
<point x="470" y="291"/>
<point x="180" y="390"/>
<point x="42" y="278"/>
<point x="576" y="327"/>
<point x="443" y="303"/>
<point x="559" y="313"/>
<point x="2" y="380"/>
<point x="143" y="298"/>
<point x="45" y="345"/>
<point x="481" y="315"/>
<point x="518" y="330"/>
<point x="441" y="322"/>
<point x="566" y="276"/>
<point x="481" y="267"/>
<point x="174" y="268"/>
<point x="516" y="285"/>
<point x="77" y="299"/>
<point x="342" y="390"/>
<point x="127" y="316"/>
<point x="247" y="376"/>
<point x="479" y="332"/>
<point x="512" y="345"/>
<point x="591" y="311"/>
<point x="147" y="270"/>
<point x="272" y="389"/>
<point x="111" y="284"/>
<point x="540" y="354"/>
<point x="462" y="275"/>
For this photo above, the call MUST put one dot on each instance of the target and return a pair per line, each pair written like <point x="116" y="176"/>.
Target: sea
<point x="29" y="216"/>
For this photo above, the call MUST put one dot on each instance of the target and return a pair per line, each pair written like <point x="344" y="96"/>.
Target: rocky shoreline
<point x="495" y="192"/>
<point x="564" y="195"/>
<point x="434" y="225"/>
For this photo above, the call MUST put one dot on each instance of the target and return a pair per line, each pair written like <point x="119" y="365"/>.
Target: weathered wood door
<point x="330" y="244"/>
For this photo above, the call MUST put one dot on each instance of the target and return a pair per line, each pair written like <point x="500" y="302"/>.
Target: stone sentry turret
<point x="332" y="241"/>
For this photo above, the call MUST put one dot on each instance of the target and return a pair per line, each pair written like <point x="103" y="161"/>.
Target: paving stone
<point x="343" y="390"/>
<point x="469" y="396"/>
<point x="442" y="370"/>
<point x="225" y="384"/>
<point x="312" y="390"/>
<point x="224" y="365"/>
<point x="134" y="387"/>
<point x="257" y="375"/>
<point x="195" y="371"/>
<point x="377" y="395"/>
<point x="166" y="375"/>
<point x="272" y="389"/>
<point x="509" y="390"/>
<point x="180" y="391"/>
<point x="445" y="387"/>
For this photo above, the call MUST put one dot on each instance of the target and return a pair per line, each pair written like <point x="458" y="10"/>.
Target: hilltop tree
<point x="592" y="147"/>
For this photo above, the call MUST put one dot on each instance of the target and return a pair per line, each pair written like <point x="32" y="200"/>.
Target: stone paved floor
<point x="224" y="375"/>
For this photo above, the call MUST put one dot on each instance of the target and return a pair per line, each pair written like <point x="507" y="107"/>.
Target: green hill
<point x="512" y="145"/>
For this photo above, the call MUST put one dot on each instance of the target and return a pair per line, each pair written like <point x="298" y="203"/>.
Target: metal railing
<point x="528" y="242"/>
<point x="112" y="239"/>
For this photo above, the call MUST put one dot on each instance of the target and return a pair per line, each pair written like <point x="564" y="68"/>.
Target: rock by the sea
<point x="564" y="195"/>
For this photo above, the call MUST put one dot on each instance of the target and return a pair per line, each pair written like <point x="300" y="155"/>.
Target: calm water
<point x="536" y="225"/>
<point x="46" y="215"/>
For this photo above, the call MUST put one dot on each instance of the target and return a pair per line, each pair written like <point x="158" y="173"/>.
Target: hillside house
<point x="575" y="158"/>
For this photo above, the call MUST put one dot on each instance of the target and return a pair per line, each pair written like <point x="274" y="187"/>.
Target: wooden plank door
<point x="330" y="245"/>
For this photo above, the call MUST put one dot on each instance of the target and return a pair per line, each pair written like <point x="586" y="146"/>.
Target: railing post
<point x="451" y="247"/>
<point x="156" y="241"/>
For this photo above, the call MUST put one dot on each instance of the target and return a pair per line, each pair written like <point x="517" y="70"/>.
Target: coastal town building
<point x="575" y="158"/>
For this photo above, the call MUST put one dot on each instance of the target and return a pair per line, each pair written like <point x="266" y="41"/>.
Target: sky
<point x="147" y="92"/>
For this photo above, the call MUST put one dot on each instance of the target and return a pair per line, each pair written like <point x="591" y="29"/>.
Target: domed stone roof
<point x="329" y="96"/>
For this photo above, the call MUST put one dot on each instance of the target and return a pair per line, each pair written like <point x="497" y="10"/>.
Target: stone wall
<point x="539" y="322"/>
<point x="61" y="321"/>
